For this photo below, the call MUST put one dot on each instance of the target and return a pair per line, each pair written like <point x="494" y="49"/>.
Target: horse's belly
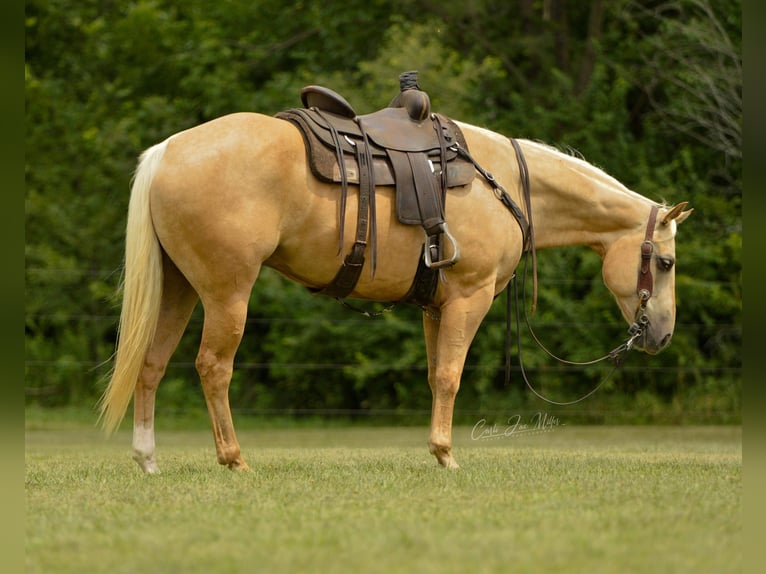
<point x="311" y="255"/>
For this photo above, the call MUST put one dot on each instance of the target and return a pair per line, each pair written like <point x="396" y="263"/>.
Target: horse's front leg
<point x="447" y="343"/>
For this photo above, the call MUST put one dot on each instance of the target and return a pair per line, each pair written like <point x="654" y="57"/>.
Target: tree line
<point x="649" y="90"/>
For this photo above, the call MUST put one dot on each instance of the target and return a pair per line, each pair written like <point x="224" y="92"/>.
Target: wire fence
<point x="108" y="319"/>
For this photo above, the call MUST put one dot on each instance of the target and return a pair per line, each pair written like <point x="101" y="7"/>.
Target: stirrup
<point x="448" y="262"/>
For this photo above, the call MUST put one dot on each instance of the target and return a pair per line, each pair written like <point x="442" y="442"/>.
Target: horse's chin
<point x="651" y="345"/>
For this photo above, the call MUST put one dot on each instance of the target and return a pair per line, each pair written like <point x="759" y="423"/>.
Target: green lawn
<point x="574" y="499"/>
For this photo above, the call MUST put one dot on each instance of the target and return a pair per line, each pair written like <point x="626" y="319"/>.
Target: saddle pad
<point x="323" y="159"/>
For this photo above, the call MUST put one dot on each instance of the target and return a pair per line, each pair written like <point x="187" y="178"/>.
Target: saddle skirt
<point x="390" y="133"/>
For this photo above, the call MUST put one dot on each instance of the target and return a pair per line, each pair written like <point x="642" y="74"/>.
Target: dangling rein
<point x="644" y="289"/>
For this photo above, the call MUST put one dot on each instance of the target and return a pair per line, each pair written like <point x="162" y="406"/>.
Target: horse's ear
<point x="677" y="212"/>
<point x="684" y="215"/>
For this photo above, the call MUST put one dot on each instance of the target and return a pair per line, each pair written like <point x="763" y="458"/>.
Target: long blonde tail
<point x="141" y="294"/>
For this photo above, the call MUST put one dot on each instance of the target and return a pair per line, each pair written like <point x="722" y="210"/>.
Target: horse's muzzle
<point x="652" y="343"/>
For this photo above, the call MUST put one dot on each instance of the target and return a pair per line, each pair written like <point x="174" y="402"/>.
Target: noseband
<point x="645" y="283"/>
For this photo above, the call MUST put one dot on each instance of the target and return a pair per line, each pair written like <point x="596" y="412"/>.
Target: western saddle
<point x="403" y="145"/>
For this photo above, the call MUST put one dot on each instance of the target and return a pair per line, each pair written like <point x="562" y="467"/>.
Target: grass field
<point x="573" y="499"/>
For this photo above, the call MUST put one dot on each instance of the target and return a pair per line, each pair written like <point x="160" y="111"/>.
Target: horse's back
<point x="236" y="140"/>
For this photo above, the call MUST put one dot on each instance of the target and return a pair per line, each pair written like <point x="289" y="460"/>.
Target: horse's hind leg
<point x="178" y="301"/>
<point x="221" y="335"/>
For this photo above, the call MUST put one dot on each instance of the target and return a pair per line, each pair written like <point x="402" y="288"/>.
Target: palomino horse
<point x="211" y="205"/>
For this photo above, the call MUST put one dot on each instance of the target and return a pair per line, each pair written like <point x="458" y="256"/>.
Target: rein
<point x="644" y="290"/>
<point x="617" y="355"/>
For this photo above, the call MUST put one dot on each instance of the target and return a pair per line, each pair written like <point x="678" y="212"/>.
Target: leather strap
<point x="529" y="238"/>
<point x="348" y="275"/>
<point x="343" y="178"/>
<point x="645" y="284"/>
<point x="443" y="134"/>
<point x="424" y="285"/>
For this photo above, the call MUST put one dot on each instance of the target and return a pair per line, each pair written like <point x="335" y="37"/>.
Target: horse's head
<point x="639" y="270"/>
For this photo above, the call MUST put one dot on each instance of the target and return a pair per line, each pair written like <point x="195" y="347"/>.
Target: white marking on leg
<point x="143" y="448"/>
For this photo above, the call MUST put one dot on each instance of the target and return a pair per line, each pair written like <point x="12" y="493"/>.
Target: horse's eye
<point x="665" y="263"/>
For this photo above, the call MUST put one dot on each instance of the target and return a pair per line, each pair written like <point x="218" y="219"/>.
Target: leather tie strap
<point x="645" y="280"/>
<point x="343" y="178"/>
<point x="348" y="275"/>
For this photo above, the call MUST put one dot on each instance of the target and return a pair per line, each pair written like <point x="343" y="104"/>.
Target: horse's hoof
<point x="449" y="464"/>
<point x="238" y="466"/>
<point x="444" y="456"/>
<point x="147" y="463"/>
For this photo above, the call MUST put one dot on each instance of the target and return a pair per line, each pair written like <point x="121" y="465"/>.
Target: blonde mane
<point x="573" y="158"/>
<point x="579" y="164"/>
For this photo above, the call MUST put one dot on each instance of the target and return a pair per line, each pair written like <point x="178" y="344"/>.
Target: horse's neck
<point x="575" y="203"/>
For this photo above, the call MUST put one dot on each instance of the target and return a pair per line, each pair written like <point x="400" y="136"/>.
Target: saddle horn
<point x="411" y="97"/>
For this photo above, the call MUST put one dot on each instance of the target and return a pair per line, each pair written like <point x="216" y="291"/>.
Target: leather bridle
<point x="645" y="282"/>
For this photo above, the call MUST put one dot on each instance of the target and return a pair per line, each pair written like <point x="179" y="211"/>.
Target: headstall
<point x="645" y="283"/>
